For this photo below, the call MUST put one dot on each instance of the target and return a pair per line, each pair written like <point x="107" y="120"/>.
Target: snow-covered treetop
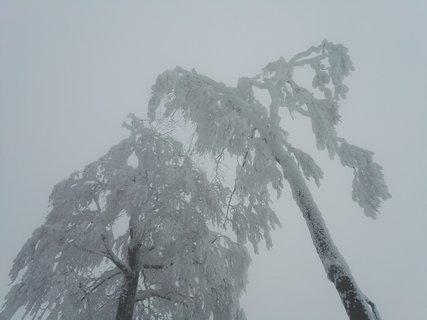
<point x="232" y="119"/>
<point x="143" y="193"/>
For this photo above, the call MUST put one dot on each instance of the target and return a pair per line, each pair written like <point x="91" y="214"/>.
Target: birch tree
<point x="232" y="119"/>
<point x="133" y="236"/>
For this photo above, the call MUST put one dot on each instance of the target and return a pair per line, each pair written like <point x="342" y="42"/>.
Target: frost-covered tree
<point x="133" y="236"/>
<point x="232" y="119"/>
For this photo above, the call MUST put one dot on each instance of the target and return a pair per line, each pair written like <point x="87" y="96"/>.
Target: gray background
<point x="70" y="71"/>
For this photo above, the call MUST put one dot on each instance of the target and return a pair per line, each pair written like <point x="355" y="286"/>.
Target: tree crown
<point x="146" y="194"/>
<point x="232" y="119"/>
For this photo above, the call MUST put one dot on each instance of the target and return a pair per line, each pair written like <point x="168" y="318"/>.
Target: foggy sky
<point x="71" y="71"/>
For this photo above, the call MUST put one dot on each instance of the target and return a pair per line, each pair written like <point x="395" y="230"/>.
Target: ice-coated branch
<point x="105" y="277"/>
<point x="368" y="183"/>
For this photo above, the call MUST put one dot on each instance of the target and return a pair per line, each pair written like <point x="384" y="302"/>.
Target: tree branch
<point x="97" y="283"/>
<point x="114" y="258"/>
<point x="94" y="287"/>
<point x="150" y="293"/>
<point x="245" y="158"/>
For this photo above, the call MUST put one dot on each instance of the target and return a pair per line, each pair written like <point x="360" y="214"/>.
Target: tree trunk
<point x="127" y="297"/>
<point x="131" y="278"/>
<point x="356" y="304"/>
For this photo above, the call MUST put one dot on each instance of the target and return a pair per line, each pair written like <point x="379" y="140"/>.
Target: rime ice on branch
<point x="232" y="119"/>
<point x="132" y="239"/>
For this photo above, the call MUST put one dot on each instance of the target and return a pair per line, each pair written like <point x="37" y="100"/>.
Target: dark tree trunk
<point x="130" y="280"/>
<point x="127" y="297"/>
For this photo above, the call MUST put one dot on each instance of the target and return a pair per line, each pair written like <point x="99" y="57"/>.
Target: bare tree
<point x="232" y="119"/>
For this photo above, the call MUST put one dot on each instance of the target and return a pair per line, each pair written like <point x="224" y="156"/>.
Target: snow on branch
<point x="155" y="218"/>
<point x="309" y="168"/>
<point x="226" y="117"/>
<point x="114" y="258"/>
<point x="368" y="183"/>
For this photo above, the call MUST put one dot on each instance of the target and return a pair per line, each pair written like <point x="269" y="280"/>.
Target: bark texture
<point x="130" y="280"/>
<point x="127" y="297"/>
<point x="356" y="304"/>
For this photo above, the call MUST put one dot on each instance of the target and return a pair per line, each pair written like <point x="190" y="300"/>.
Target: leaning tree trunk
<point x="356" y="304"/>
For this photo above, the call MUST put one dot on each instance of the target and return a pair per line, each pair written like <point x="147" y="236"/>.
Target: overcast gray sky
<point x="70" y="71"/>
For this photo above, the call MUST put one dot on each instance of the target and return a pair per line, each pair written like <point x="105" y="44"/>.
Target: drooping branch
<point x="245" y="159"/>
<point x="172" y="206"/>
